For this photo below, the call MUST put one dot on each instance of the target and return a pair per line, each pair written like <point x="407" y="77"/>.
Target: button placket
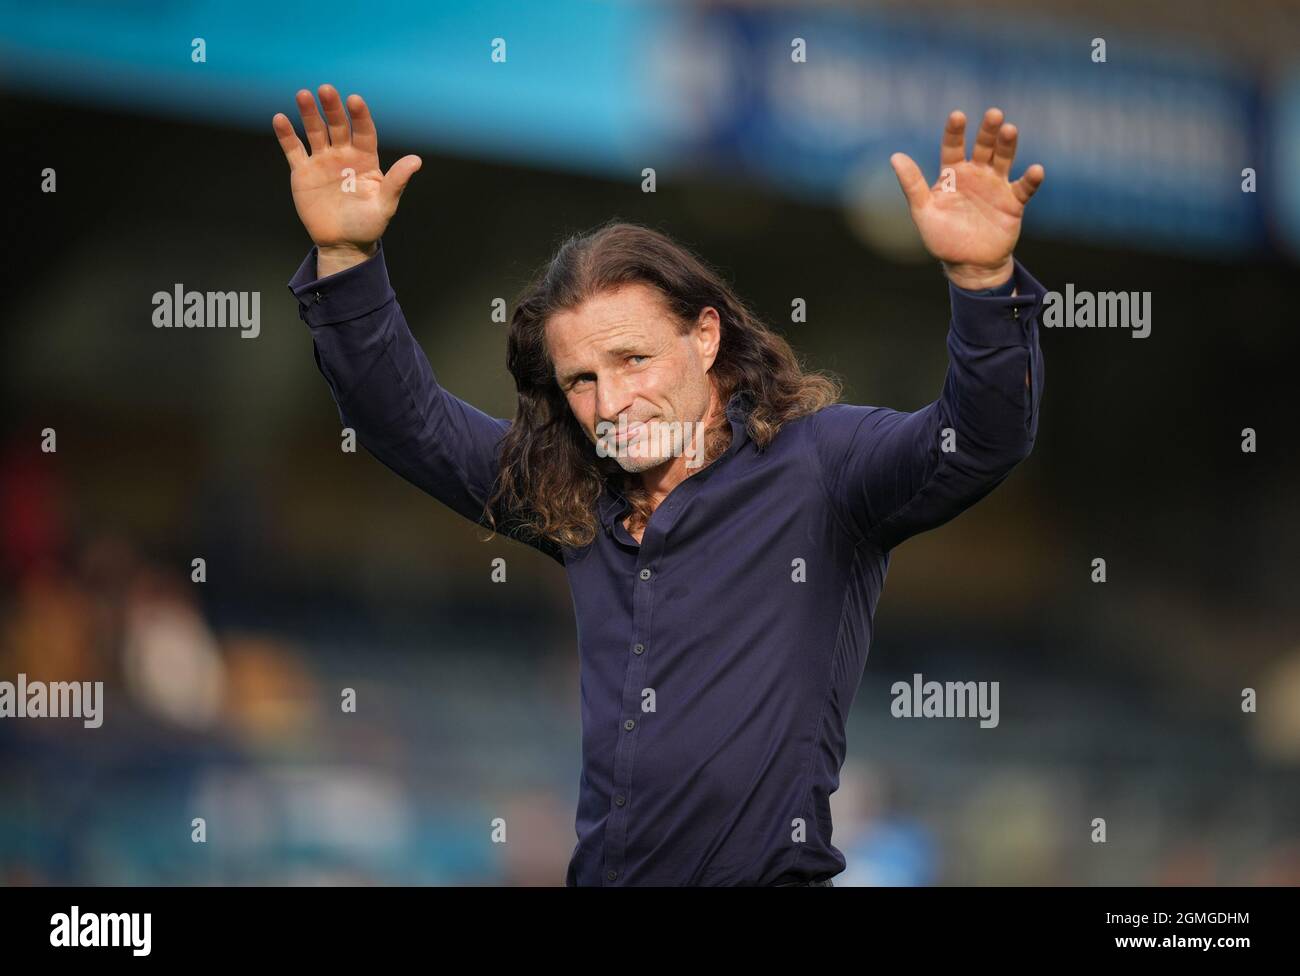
<point x="643" y="583"/>
<point x="649" y="557"/>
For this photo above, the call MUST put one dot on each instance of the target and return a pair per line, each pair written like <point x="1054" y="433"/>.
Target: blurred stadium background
<point x="326" y="571"/>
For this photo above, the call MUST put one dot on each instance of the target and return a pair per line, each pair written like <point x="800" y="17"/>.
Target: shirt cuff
<point x="343" y="296"/>
<point x="995" y="320"/>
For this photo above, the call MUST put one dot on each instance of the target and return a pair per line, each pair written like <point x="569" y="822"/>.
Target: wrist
<point x="333" y="258"/>
<point x="979" y="278"/>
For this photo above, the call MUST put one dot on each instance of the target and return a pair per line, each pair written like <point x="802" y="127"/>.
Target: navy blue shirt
<point x="720" y="656"/>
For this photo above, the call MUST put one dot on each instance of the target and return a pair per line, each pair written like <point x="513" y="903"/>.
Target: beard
<point x="642" y="449"/>
<point x="658" y="443"/>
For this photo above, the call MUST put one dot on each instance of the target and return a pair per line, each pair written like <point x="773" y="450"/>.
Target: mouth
<point x="620" y="442"/>
<point x="634" y="431"/>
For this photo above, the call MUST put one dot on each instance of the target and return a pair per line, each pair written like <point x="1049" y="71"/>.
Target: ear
<point x="708" y="335"/>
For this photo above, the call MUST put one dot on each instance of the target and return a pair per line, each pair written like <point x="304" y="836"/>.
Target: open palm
<point x="970" y="217"/>
<point x="342" y="196"/>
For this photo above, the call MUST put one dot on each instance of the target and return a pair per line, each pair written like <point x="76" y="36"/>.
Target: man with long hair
<point x="725" y="522"/>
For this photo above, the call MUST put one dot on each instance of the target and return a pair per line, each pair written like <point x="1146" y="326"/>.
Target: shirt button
<point x="645" y="574"/>
<point x="629" y="725"/>
<point x="611" y="875"/>
<point x="638" y="648"/>
<point x="619" y="799"/>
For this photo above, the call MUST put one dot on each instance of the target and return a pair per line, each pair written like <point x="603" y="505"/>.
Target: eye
<point x="630" y="358"/>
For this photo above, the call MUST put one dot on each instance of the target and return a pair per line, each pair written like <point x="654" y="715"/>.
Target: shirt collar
<point x="612" y="505"/>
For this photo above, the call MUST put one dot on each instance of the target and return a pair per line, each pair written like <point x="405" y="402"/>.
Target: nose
<point x="612" y="399"/>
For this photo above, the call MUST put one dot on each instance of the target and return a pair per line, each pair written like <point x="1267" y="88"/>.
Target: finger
<point x="910" y="179"/>
<point x="987" y="137"/>
<point x="1028" y="185"/>
<point x="398" y="175"/>
<point x="364" y="136"/>
<point x="289" y="141"/>
<point x="1004" y="151"/>
<point x="953" y="148"/>
<point x="312" y="123"/>
<point x="340" y="135"/>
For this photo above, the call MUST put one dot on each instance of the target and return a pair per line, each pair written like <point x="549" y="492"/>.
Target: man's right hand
<point x="344" y="223"/>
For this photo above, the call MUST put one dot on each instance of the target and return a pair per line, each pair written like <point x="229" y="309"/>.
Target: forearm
<point x="944" y="458"/>
<point x="358" y="332"/>
<point x="386" y="390"/>
<point x="987" y="406"/>
<point x="993" y="344"/>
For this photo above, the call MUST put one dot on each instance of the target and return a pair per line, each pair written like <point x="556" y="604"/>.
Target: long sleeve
<point x="890" y="474"/>
<point x="387" y="392"/>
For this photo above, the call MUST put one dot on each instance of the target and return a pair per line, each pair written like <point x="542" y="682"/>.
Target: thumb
<point x="910" y="179"/>
<point x="398" y="175"/>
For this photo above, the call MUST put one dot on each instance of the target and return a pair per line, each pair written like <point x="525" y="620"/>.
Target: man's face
<point x="620" y="355"/>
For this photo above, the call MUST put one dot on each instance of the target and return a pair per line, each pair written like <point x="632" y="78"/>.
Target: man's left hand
<point x="970" y="218"/>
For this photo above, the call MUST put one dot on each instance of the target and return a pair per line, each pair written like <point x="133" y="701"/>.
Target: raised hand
<point x="970" y="218"/>
<point x="345" y="215"/>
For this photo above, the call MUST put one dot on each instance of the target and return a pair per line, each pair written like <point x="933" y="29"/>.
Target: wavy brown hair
<point x="551" y="475"/>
